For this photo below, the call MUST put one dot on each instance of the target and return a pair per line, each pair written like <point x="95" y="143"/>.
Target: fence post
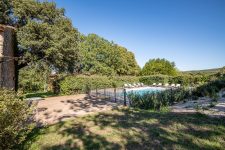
<point x="115" y="94"/>
<point x="171" y="97"/>
<point x="104" y="93"/>
<point x="90" y="91"/>
<point x="190" y="92"/>
<point x="125" y="97"/>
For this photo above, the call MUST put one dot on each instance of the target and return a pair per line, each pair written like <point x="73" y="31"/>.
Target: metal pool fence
<point x="117" y="95"/>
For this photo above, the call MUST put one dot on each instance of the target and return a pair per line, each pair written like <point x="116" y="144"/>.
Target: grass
<point x="132" y="129"/>
<point x="40" y="94"/>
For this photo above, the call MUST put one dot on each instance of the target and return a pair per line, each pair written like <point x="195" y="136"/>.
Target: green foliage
<point x="159" y="66"/>
<point x="40" y="94"/>
<point x="212" y="104"/>
<point x="43" y="33"/>
<point x="87" y="88"/>
<point x="183" y="79"/>
<point x="149" y="80"/>
<point x="221" y="72"/>
<point x="5" y="11"/>
<point x="80" y="84"/>
<point x="138" y="129"/>
<point x="14" y="119"/>
<point x="106" y="58"/>
<point x="34" y="77"/>
<point x="157" y="100"/>
<point x="190" y="80"/>
<point x="210" y="89"/>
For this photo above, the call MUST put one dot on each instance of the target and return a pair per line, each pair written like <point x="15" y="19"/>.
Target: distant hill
<point x="214" y="70"/>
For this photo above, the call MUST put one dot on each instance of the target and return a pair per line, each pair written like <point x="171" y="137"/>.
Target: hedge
<point x="185" y="80"/>
<point x="80" y="84"/>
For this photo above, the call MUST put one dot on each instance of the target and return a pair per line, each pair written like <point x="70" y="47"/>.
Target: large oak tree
<point x="103" y="57"/>
<point x="43" y="33"/>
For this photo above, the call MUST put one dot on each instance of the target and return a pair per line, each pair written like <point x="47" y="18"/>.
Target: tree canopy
<point x="103" y="57"/>
<point x="43" y="33"/>
<point x="159" y="66"/>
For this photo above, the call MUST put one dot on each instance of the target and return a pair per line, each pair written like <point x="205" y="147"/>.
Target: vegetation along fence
<point x="134" y="99"/>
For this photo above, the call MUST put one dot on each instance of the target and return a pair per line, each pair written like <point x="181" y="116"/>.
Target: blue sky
<point x="189" y="32"/>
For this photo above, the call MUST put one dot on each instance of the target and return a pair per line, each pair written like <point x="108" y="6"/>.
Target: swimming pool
<point x="144" y="90"/>
<point x="119" y="95"/>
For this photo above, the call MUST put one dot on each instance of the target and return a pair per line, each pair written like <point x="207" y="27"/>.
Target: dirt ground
<point x="202" y="105"/>
<point x="55" y="109"/>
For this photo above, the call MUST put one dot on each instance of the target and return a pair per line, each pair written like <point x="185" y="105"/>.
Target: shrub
<point x="159" y="66"/>
<point x="34" y="77"/>
<point x="149" y="80"/>
<point x="212" y="104"/>
<point x="80" y="84"/>
<point x="194" y="97"/>
<point x="14" y="115"/>
<point x="210" y="89"/>
<point x="183" y="79"/>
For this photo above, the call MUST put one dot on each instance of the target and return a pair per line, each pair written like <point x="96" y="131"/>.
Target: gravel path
<point x="55" y="109"/>
<point x="202" y="105"/>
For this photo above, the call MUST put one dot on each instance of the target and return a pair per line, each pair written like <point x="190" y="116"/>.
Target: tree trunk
<point x="8" y="73"/>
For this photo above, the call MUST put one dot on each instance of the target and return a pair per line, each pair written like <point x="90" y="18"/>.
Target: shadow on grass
<point x="76" y="131"/>
<point x="139" y="129"/>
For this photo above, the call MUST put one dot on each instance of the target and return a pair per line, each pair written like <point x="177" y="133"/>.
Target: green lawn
<point x="132" y="129"/>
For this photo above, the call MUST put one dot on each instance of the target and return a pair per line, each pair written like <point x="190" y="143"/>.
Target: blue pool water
<point x="142" y="91"/>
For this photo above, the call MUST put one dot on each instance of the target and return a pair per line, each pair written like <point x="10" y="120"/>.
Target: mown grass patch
<point x="132" y="129"/>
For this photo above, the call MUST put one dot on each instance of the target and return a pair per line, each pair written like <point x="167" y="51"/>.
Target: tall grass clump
<point x="157" y="100"/>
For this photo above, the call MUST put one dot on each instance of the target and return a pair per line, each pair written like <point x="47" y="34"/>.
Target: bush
<point x="157" y="100"/>
<point x="33" y="78"/>
<point x="149" y="80"/>
<point x="80" y="84"/>
<point x="184" y="79"/>
<point x="210" y="89"/>
<point x="14" y="115"/>
<point x="159" y="66"/>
